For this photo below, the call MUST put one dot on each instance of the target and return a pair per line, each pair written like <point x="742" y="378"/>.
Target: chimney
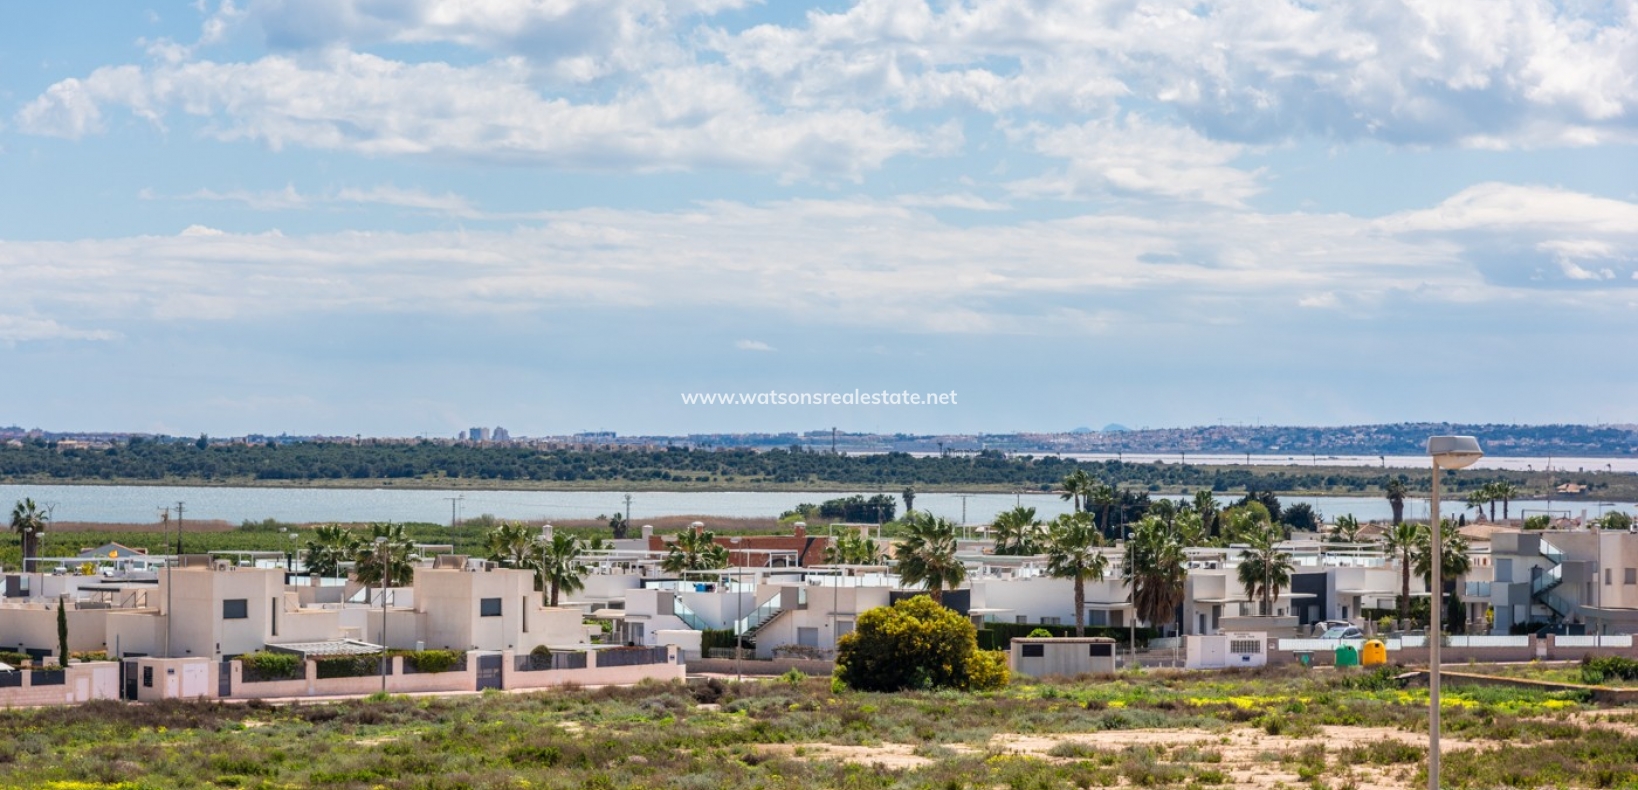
<point x="648" y="531"/>
<point x="546" y="533"/>
<point x="801" y="529"/>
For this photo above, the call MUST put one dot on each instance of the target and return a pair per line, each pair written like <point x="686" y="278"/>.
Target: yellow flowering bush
<point x="916" y="644"/>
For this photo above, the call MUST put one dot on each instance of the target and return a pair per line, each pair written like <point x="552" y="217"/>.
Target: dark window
<point x="1102" y="649"/>
<point x="1034" y="651"/>
<point x="235" y="609"/>
<point x="489" y="607"/>
<point x="148" y="677"/>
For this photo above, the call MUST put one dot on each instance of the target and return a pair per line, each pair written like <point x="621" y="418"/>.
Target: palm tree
<point x="1017" y="532"/>
<point x="1155" y="570"/>
<point x="909" y="495"/>
<point x="694" y="551"/>
<point x="1165" y="510"/>
<point x="511" y="544"/>
<point x="853" y="548"/>
<point x="1264" y="569"/>
<point x="29" y="524"/>
<point x="1205" y="503"/>
<point x="557" y="565"/>
<point x="1394" y="489"/>
<point x="1484" y="495"/>
<point x="1405" y="540"/>
<point x="1073" y="552"/>
<point x="1453" y="559"/>
<point x="1076" y="485"/>
<point x="396" y="568"/>
<point x="330" y="548"/>
<point x="1104" y="496"/>
<point x="1506" y="492"/>
<point x="928" y="556"/>
<point x="1346" y="529"/>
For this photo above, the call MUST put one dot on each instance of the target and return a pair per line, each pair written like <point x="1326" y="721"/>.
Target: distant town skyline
<point x="339" y="217"/>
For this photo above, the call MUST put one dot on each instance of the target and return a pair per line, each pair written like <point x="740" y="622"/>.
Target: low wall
<point x="1603" y="695"/>
<point x="759" y="668"/>
<point x="310" y="685"/>
<point x="81" y="683"/>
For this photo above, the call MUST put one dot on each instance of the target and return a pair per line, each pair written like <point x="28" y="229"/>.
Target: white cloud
<point x="675" y="119"/>
<point x="290" y="198"/>
<point x="16" y="329"/>
<point x="752" y="345"/>
<point x="856" y="262"/>
<point x="1134" y="157"/>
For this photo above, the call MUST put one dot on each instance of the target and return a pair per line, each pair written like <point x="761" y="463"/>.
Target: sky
<point x="409" y="218"/>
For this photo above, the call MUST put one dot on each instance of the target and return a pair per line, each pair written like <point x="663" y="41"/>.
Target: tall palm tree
<point x="909" y="495"/>
<point x="1395" y="491"/>
<point x="1105" y="497"/>
<point x="1073" y="549"/>
<point x="928" y="556"/>
<point x="1017" y="532"/>
<point x="557" y="565"/>
<point x="1453" y="558"/>
<point x="511" y="544"/>
<point x="853" y="548"/>
<point x="1077" y="484"/>
<point x="330" y="547"/>
<point x="1346" y="529"/>
<point x="1155" y="570"/>
<point x="1205" y="503"/>
<point x="390" y="563"/>
<point x="1264" y="569"/>
<point x="1506" y="492"/>
<point x="1404" y="540"/>
<point x="29" y="524"/>
<point x="694" y="551"/>
<point x="1483" y="495"/>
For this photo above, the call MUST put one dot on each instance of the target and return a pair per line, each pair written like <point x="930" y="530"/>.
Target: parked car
<point x="1343" y="632"/>
<point x="1326" y="625"/>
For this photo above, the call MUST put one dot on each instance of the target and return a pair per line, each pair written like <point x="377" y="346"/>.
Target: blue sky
<point x="406" y="218"/>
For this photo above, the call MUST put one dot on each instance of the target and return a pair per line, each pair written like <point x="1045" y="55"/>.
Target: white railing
<point x="1487" y="641"/>
<point x="1320" y="644"/>
<point x="1608" y="640"/>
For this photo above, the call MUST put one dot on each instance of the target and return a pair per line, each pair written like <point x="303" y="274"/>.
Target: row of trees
<point x="141" y="459"/>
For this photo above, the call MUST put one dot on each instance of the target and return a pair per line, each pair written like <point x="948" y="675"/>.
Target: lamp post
<point x="382" y="546"/>
<point x="295" y="553"/>
<point x="738" y="608"/>
<point x="1447" y="452"/>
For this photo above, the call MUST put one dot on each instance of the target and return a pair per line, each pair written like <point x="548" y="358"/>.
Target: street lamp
<point x="1447" y="452"/>
<point x="738" y="607"/>
<point x="381" y="548"/>
<point x="295" y="553"/>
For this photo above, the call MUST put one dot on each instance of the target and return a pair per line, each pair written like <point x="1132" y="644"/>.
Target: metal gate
<point x="489" y="672"/>
<point x="224" y="679"/>
<point x="128" y="680"/>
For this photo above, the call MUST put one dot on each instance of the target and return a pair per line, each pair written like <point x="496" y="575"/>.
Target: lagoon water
<point x="142" y="504"/>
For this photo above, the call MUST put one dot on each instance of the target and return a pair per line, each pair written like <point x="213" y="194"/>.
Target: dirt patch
<point x="1250" y="757"/>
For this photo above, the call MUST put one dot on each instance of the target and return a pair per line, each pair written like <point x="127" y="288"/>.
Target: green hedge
<point x="349" y="666"/>
<point x="434" y="661"/>
<point x="266" y="665"/>
<point x="999" y="636"/>
<point x="716" y="637"/>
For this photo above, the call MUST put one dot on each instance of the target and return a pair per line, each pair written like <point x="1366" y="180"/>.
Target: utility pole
<point x="179" y="529"/>
<point x="453" y="504"/>
<point x="628" y="511"/>
<point x="832" y="440"/>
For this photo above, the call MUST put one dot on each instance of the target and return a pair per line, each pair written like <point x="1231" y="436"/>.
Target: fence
<point x="559" y="660"/>
<point x="49" y="677"/>
<point x="632" y="656"/>
<point x="1608" y="640"/>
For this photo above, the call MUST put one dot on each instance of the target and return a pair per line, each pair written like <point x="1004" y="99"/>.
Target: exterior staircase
<point x="748" y="626"/>
<point x="1541" y="588"/>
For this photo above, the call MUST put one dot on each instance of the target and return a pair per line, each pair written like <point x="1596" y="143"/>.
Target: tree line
<point x="149" y="460"/>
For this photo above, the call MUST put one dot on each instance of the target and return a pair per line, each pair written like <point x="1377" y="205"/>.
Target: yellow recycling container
<point x="1375" y="653"/>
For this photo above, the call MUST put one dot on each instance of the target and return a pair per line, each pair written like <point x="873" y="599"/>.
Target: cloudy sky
<point x="403" y="218"/>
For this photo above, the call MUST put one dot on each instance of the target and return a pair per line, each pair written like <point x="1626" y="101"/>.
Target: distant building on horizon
<point x="502" y="435"/>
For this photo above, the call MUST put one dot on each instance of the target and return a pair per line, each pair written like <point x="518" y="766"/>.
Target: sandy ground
<point x="1250" y="756"/>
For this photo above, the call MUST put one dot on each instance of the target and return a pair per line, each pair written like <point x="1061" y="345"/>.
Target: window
<point x="1034" y="651"/>
<point x="148" y="677"/>
<point x="1248" y="646"/>
<point x="1629" y="576"/>
<point x="235" y="609"/>
<point x="489" y="607"/>
<point x="1101" y="649"/>
<point x="1606" y="577"/>
<point x="1049" y="621"/>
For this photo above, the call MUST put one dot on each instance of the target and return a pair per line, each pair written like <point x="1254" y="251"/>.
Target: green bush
<point x="1597" y="670"/>
<point x="1040" y="633"/>
<point x="349" y="666"/>
<point x="267" y="665"/>
<point x="434" y="661"/>
<point x="916" y="644"/>
<point x="14" y="659"/>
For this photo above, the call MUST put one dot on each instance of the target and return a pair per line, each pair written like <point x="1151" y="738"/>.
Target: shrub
<point x="1040" y="633"/>
<point x="349" y="666"/>
<point x="90" y="655"/>
<point x="266" y="665"/>
<point x="14" y="659"/>
<point x="915" y="644"/>
<point x="434" y="661"/>
<point x="1597" y="670"/>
